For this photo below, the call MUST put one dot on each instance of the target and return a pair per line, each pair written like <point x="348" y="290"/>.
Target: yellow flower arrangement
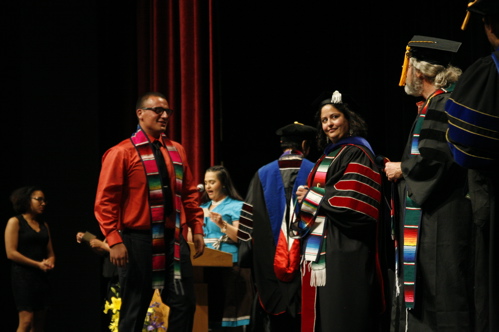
<point x="114" y="305"/>
<point x="157" y="313"/>
<point x="154" y="321"/>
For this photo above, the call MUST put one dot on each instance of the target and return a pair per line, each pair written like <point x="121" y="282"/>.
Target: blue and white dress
<point x="230" y="209"/>
<point x="230" y="290"/>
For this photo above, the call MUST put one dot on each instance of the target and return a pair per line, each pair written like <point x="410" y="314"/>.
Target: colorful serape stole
<point x="311" y="202"/>
<point x="412" y="220"/>
<point x="314" y="267"/>
<point x="394" y="238"/>
<point x="314" y="244"/>
<point x="179" y="177"/>
<point x="411" y="231"/>
<point x="156" y="205"/>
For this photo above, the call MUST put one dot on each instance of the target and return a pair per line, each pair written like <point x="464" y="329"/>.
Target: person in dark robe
<point x="434" y="284"/>
<point x="264" y="242"/>
<point x="338" y="220"/>
<point x="473" y="134"/>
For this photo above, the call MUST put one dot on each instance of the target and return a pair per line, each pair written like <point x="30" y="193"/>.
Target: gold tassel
<point x="405" y="66"/>
<point x="466" y="20"/>
<point x="467" y="17"/>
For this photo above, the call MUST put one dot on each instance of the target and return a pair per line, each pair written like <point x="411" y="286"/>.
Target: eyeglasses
<point x="159" y="110"/>
<point x="40" y="199"/>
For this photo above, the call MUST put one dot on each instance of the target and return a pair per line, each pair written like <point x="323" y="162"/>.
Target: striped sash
<point x="412" y="218"/>
<point x="311" y="202"/>
<point x="179" y="177"/>
<point x="156" y="205"/>
<point x="314" y="244"/>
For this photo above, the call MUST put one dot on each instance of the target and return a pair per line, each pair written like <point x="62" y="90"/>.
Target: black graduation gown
<point x="352" y="297"/>
<point x="473" y="134"/>
<point x="443" y="291"/>
<point x="257" y="248"/>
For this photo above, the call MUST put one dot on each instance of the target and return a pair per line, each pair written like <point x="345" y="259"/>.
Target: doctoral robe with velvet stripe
<point x="473" y="135"/>
<point x="261" y="223"/>
<point x="352" y="298"/>
<point x="444" y="261"/>
<point x="473" y="111"/>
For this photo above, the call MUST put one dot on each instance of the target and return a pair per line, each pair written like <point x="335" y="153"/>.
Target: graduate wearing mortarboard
<point x="265" y="244"/>
<point x="433" y="233"/>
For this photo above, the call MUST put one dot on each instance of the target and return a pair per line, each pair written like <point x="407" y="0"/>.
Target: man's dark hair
<point x="493" y="21"/>
<point x="289" y="144"/>
<point x="145" y="96"/>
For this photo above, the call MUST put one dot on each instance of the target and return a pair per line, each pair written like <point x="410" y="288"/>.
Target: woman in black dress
<point x="29" y="247"/>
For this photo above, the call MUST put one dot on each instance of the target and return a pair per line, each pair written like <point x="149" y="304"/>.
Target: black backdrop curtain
<point x="235" y="71"/>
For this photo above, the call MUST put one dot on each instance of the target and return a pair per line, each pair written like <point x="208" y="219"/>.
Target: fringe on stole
<point x="406" y="319"/>
<point x="317" y="273"/>
<point x="397" y="282"/>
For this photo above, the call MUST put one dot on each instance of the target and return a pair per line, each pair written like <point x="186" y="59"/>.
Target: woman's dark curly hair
<point x="21" y="198"/>
<point x="228" y="187"/>
<point x="357" y="125"/>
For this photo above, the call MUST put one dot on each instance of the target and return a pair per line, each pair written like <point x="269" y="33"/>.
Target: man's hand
<point x="118" y="255"/>
<point x="198" y="244"/>
<point x="393" y="171"/>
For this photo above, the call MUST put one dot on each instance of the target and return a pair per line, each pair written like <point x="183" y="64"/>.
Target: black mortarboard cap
<point x="296" y="132"/>
<point x="481" y="7"/>
<point x="436" y="51"/>
<point x="484" y="7"/>
<point x="433" y="50"/>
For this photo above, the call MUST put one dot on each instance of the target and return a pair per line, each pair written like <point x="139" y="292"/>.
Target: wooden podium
<point x="210" y="257"/>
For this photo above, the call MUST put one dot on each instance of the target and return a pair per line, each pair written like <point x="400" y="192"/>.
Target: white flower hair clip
<point x="336" y="97"/>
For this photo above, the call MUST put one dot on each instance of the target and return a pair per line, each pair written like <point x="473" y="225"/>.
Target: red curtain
<point x="175" y="54"/>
